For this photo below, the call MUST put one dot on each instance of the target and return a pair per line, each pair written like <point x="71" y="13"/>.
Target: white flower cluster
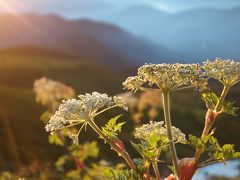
<point x="145" y="131"/>
<point x="133" y="83"/>
<point x="167" y="76"/>
<point x="49" y="91"/>
<point x="81" y="110"/>
<point x="225" y="71"/>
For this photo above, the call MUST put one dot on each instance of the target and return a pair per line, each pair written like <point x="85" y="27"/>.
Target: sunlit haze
<point x="79" y="8"/>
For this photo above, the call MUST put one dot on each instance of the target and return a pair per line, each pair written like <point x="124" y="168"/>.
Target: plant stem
<point x="120" y="151"/>
<point x="147" y="174"/>
<point x="102" y="111"/>
<point x="222" y="97"/>
<point x="167" y="116"/>
<point x="156" y="170"/>
<point x="208" y="124"/>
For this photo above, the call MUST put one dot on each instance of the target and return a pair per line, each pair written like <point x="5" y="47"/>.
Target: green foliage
<point x="150" y="149"/>
<point x="58" y="138"/>
<point x="55" y="139"/>
<point x="224" y="153"/>
<point x="111" y="174"/>
<point x="61" y="162"/>
<point x="210" y="99"/>
<point x="196" y="142"/>
<point x="229" y="108"/>
<point x="146" y="150"/>
<point x="85" y="150"/>
<point x="81" y="152"/>
<point x="211" y="145"/>
<point x="8" y="176"/>
<point x="112" y="128"/>
<point x="74" y="174"/>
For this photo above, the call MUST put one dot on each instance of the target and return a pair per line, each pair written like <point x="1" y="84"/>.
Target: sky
<point x="78" y="8"/>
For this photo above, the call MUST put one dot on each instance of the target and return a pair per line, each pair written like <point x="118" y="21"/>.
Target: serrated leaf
<point x="229" y="108"/>
<point x="224" y="153"/>
<point x="195" y="141"/>
<point x="118" y="174"/>
<point x="112" y="128"/>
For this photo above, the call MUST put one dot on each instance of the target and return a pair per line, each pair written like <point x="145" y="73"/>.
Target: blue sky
<point x="78" y="8"/>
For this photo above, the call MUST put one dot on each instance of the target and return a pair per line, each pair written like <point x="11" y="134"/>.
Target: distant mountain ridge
<point x="104" y="43"/>
<point x="197" y="33"/>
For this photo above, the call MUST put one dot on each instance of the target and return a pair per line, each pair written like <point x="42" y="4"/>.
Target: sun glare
<point x="10" y="6"/>
<point x="17" y="8"/>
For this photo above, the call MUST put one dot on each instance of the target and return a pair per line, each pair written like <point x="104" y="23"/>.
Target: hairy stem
<point x="167" y="116"/>
<point x="120" y="151"/>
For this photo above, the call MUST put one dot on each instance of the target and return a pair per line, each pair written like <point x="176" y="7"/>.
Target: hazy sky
<point x="176" y="5"/>
<point x="75" y="8"/>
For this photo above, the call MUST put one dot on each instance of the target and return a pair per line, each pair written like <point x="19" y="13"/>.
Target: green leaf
<point x="86" y="150"/>
<point x="229" y="108"/>
<point x="145" y="150"/>
<point x="55" y="139"/>
<point x="74" y="174"/>
<point x="224" y="153"/>
<point x="137" y="147"/>
<point x="172" y="169"/>
<point x="61" y="162"/>
<point x="111" y="174"/>
<point x="112" y="128"/>
<point x="195" y="141"/>
<point x="210" y="99"/>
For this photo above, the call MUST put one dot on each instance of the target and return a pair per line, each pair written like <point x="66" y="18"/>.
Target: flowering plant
<point x="51" y="93"/>
<point x="152" y="138"/>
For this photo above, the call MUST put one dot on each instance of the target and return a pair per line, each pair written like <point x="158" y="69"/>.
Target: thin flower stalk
<point x="156" y="170"/>
<point x="167" y="116"/>
<point x="147" y="173"/>
<point x="120" y="151"/>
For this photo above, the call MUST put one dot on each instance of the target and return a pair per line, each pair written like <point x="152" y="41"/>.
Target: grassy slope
<point x="22" y="135"/>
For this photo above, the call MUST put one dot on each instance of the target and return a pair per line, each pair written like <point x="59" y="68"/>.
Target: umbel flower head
<point x="158" y="128"/>
<point x="81" y="110"/>
<point x="49" y="91"/>
<point x="167" y="76"/>
<point x="225" y="71"/>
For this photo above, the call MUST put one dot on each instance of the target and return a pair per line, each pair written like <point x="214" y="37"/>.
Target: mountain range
<point x="103" y="43"/>
<point x="197" y="33"/>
